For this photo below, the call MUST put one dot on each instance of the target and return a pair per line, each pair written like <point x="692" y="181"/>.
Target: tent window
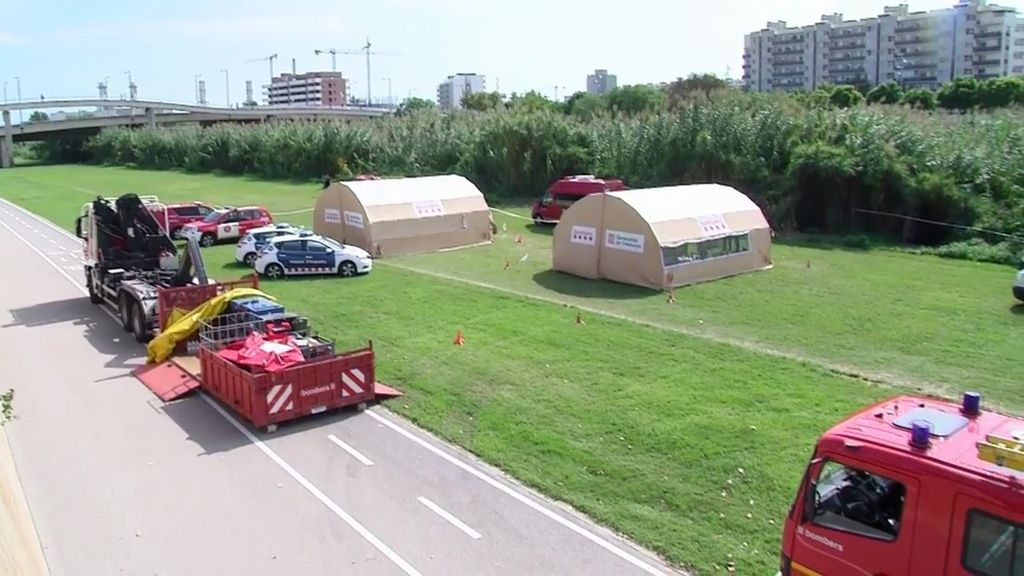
<point x="690" y="252"/>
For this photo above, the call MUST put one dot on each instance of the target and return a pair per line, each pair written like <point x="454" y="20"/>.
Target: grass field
<point x="690" y="446"/>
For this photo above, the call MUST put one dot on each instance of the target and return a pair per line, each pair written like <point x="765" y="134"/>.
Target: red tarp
<point x="271" y="354"/>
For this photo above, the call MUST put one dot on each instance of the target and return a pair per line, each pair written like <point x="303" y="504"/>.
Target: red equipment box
<point x="266" y="399"/>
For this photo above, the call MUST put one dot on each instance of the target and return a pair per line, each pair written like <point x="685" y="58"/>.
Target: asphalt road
<point x="120" y="482"/>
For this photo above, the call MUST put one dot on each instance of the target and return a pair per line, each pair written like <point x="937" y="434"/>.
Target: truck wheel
<point x="139" y="323"/>
<point x="124" y="306"/>
<point x="207" y="240"/>
<point x="94" y="296"/>
<point x="347" y="269"/>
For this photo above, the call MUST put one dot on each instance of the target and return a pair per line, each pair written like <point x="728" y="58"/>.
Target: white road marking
<point x="452" y="519"/>
<point x="309" y="486"/>
<point x="289" y="213"/>
<point x="355" y="453"/>
<point x="516" y="495"/>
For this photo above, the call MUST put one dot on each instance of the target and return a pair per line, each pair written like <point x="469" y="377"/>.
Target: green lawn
<point x="669" y="438"/>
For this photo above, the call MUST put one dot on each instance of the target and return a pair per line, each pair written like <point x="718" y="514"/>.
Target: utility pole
<point x="21" y="117"/>
<point x="5" y="91"/>
<point x="334" y="57"/>
<point x="131" y="85"/>
<point x="227" y="88"/>
<point x="556" y="92"/>
<point x="369" y="101"/>
<point x="196" y="81"/>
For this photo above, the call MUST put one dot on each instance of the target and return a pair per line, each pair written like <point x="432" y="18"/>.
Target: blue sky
<point x="63" y="48"/>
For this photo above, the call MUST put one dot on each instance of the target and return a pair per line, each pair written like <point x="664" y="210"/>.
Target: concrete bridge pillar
<point x="150" y="118"/>
<point x="7" y="144"/>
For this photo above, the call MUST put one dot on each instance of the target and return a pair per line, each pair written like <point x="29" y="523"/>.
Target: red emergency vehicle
<point x="912" y="487"/>
<point x="565" y="192"/>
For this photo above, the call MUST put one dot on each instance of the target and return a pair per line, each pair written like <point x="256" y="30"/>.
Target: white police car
<point x="250" y="245"/>
<point x="307" y="253"/>
<point x="1018" y="283"/>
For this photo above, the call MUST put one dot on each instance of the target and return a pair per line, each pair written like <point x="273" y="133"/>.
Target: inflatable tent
<point x="404" y="215"/>
<point x="663" y="237"/>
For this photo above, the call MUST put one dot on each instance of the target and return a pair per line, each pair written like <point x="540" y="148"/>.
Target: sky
<point x="64" y="48"/>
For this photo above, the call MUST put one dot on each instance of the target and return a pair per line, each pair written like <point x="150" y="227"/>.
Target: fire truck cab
<point x="912" y="487"/>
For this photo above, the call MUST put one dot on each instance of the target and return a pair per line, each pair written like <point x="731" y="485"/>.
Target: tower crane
<point x="365" y="49"/>
<point x="270" y="59"/>
<point x="334" y="57"/>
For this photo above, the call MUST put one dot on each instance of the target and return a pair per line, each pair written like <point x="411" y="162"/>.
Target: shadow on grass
<point x="541" y="229"/>
<point x="569" y="285"/>
<point x="1017" y="309"/>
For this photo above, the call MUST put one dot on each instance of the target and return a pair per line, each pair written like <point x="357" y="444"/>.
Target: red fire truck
<point x="565" y="192"/>
<point x="912" y="487"/>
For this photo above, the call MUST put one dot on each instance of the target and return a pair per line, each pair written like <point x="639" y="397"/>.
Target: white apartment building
<point x="309" y="89"/>
<point x="455" y="87"/>
<point x="601" y="82"/>
<point x="917" y="49"/>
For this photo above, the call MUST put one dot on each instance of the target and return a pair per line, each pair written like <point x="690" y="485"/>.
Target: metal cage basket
<point x="226" y="329"/>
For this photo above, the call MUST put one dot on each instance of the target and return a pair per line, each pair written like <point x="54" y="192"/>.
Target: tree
<point x="38" y="116"/>
<point x="636" y="99"/>
<point x="483" y="101"/>
<point x="845" y="96"/>
<point x="412" y="104"/>
<point x="533" y="101"/>
<point x="919" y="98"/>
<point x="585" y="105"/>
<point x="680" y="90"/>
<point x="888" y="93"/>
<point x="960" y="94"/>
<point x="6" y="407"/>
<point x="1000" y="92"/>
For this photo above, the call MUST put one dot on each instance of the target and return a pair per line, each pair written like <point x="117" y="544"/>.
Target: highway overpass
<point x="151" y="113"/>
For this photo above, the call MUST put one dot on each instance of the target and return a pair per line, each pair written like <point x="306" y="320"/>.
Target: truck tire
<point x="124" y="308"/>
<point x="139" y="323"/>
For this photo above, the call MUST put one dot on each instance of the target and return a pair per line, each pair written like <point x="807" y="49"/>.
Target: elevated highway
<point x="151" y="113"/>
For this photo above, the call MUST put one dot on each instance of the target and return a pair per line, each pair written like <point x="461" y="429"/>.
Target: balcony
<point x="915" y="39"/>
<point x="917" y="52"/>
<point x="987" y="75"/>
<point x="789" y="40"/>
<point x="789" y="61"/>
<point x="988" y="48"/>
<point x="846" y="58"/>
<point x="988" y="61"/>
<point x="847" y="33"/>
<point x="848" y="78"/>
<point x="847" y="69"/>
<point x="920" y="79"/>
<point x="847" y="45"/>
<point x="904" y="27"/>
<point x="989" y="34"/>
<point x="786" y="73"/>
<point x="917" y="65"/>
<point x="790" y="50"/>
<point x="746" y="66"/>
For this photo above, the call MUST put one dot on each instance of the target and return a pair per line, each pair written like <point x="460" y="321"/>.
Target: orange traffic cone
<point x="671" y="297"/>
<point x="579" y="318"/>
<point x="508" y="265"/>
<point x="459" y="340"/>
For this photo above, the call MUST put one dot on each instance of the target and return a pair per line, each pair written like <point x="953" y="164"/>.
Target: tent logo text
<point x="427" y="208"/>
<point x="713" y="225"/>
<point x="584" y="235"/>
<point x="332" y="216"/>
<point x="624" y="241"/>
<point x="354" y="219"/>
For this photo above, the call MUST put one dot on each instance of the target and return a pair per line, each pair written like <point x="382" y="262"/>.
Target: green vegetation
<point x="645" y="394"/>
<point x="6" y="407"/>
<point x="823" y="162"/>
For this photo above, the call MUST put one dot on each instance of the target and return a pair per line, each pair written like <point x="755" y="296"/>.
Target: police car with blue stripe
<point x="308" y="253"/>
<point x="250" y="245"/>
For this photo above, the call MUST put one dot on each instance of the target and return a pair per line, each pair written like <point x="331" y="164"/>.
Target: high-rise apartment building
<point x="451" y="92"/>
<point x="601" y="82"/>
<point x="916" y="49"/>
<point x="309" y="89"/>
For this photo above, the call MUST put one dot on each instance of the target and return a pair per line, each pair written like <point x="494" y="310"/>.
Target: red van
<point x="565" y="192"/>
<point x="912" y="486"/>
<point x="180" y="214"/>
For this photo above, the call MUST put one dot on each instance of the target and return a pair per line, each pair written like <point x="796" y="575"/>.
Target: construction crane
<point x="270" y="59"/>
<point x="334" y="57"/>
<point x="366" y="49"/>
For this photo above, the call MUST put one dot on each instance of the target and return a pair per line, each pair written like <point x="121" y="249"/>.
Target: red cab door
<point x="859" y="522"/>
<point x="986" y="537"/>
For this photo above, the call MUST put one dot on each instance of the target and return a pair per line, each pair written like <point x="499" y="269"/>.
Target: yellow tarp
<point x="185" y="325"/>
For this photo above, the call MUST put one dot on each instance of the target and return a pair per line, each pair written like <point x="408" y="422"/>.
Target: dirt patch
<point x="20" y="552"/>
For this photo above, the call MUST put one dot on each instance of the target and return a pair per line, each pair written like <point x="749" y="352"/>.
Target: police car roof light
<point x="305" y="233"/>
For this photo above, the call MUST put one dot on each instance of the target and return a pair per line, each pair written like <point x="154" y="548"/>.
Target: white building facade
<point x="916" y="49"/>
<point x="451" y="92"/>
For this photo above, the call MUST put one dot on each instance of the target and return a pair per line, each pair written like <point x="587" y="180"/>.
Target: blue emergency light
<point x="971" y="404"/>
<point x="920" y="433"/>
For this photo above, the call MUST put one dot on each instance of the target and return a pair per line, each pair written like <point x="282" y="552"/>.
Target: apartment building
<point x="455" y="87"/>
<point x="308" y="89"/>
<point x="601" y="82"/>
<point x="917" y="49"/>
